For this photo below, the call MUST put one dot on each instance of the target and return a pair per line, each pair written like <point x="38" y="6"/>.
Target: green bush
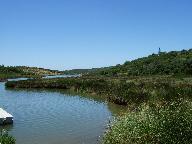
<point x="5" y="138"/>
<point x="171" y="123"/>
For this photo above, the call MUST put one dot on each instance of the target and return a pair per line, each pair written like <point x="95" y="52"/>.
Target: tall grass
<point x="5" y="138"/>
<point x="170" y="123"/>
<point x="121" y="91"/>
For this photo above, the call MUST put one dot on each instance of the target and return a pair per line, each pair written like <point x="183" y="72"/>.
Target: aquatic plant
<point x="5" y="138"/>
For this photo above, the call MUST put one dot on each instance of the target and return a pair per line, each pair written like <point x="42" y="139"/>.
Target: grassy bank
<point x="168" y="123"/>
<point x="118" y="90"/>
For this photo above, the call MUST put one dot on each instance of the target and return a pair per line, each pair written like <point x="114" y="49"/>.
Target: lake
<point x="56" y="116"/>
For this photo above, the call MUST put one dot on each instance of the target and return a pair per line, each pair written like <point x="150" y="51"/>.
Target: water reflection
<point x="116" y="110"/>
<point x="6" y="127"/>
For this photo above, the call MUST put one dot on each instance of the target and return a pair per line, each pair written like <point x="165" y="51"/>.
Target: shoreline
<point x="143" y="97"/>
<point x="119" y="91"/>
<point x="3" y="80"/>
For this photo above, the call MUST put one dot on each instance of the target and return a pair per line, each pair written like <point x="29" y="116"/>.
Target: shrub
<point x="171" y="123"/>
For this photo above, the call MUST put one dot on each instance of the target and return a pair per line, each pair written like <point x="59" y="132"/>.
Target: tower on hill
<point x="159" y="51"/>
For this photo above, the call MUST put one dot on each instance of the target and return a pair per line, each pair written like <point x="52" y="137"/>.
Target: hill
<point x="171" y="63"/>
<point x="23" y="71"/>
<point x="80" y="71"/>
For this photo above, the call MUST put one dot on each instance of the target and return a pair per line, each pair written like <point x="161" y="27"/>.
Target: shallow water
<point x="56" y="117"/>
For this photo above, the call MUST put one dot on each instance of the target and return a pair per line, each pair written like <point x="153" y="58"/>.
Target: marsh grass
<point x="154" y="124"/>
<point x="5" y="138"/>
<point x="123" y="91"/>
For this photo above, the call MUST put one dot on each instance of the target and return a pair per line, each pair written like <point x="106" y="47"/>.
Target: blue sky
<point x="66" y="34"/>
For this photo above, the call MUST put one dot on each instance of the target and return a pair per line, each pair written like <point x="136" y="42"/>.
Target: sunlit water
<point x="61" y="76"/>
<point x="54" y="117"/>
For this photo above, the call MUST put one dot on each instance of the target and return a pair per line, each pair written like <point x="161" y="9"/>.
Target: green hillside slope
<point x="171" y="63"/>
<point x="23" y="71"/>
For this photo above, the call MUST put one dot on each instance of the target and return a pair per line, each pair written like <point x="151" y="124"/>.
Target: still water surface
<point x="56" y="117"/>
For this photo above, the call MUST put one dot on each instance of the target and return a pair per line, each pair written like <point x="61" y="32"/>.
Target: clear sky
<point x="66" y="34"/>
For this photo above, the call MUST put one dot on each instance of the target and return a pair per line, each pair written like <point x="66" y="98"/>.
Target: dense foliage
<point x="79" y="71"/>
<point x="170" y="123"/>
<point x="171" y="63"/>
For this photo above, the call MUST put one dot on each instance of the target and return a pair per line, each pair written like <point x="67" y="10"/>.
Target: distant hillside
<point x="79" y="71"/>
<point x="20" y="71"/>
<point x="37" y="71"/>
<point x="171" y="63"/>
